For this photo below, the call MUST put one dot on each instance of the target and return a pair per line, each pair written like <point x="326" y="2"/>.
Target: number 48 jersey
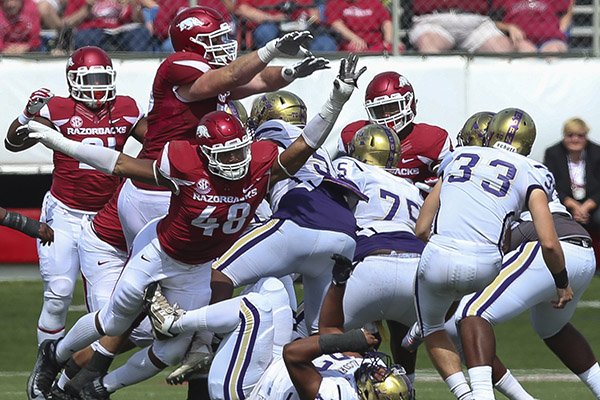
<point x="482" y="189"/>
<point x="209" y="213"/>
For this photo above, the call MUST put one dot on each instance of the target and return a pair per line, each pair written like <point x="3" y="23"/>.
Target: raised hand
<point x="37" y="100"/>
<point x="348" y="73"/>
<point x="305" y="68"/>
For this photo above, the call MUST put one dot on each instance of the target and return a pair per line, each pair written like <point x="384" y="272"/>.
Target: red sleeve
<point x="264" y="154"/>
<point x="438" y="142"/>
<point x="185" y="68"/>
<point x="333" y="11"/>
<point x="176" y="160"/>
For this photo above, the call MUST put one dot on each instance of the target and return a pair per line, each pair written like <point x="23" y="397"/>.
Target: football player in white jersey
<point x="512" y="293"/>
<point x="464" y="249"/>
<point x="387" y="250"/>
<point x="312" y="217"/>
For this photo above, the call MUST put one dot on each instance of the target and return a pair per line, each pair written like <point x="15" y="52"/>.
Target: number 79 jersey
<point x="209" y="213"/>
<point x="483" y="188"/>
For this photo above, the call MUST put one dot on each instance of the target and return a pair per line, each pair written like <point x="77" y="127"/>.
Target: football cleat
<point x="413" y="339"/>
<point x="195" y="364"/>
<point x="162" y="315"/>
<point x="60" y="394"/>
<point x="94" y="390"/>
<point x="80" y="380"/>
<point x="45" y="370"/>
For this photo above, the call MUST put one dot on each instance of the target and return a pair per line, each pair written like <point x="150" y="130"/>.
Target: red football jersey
<point x="76" y="184"/>
<point x="107" y="225"/>
<point x="209" y="213"/>
<point x="169" y="116"/>
<point x="423" y="146"/>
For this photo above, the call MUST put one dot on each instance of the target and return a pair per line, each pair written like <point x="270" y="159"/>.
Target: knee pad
<point x="172" y="351"/>
<point x="57" y="298"/>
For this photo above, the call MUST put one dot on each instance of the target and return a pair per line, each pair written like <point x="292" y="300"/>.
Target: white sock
<point x="138" y="368"/>
<point x="82" y="334"/>
<point x="43" y="335"/>
<point x="458" y="386"/>
<point x="591" y="378"/>
<point x="509" y="386"/>
<point x="481" y="382"/>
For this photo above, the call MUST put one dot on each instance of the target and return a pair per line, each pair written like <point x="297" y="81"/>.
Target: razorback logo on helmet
<point x="202" y="132"/>
<point x="188" y="23"/>
<point x="402" y="81"/>
<point x="70" y="62"/>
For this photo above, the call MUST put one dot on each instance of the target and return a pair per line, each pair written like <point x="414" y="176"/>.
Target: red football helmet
<point x="390" y="100"/>
<point x="91" y="76"/>
<point x="226" y="144"/>
<point x="203" y="30"/>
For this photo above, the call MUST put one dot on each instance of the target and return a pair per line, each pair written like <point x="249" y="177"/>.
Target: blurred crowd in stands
<point x="432" y="26"/>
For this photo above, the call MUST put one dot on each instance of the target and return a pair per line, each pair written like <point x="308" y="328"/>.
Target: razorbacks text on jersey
<point x="76" y="184"/>
<point x="387" y="220"/>
<point x="170" y="117"/>
<point x="209" y="213"/>
<point x="483" y="189"/>
<point x="422" y="148"/>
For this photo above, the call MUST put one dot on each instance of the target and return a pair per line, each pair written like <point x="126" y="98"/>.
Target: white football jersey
<point x="311" y="174"/>
<point x="394" y="202"/>
<point x="338" y="381"/>
<point x="485" y="188"/>
<point x="555" y="207"/>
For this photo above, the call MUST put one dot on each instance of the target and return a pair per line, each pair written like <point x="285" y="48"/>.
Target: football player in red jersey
<point x="93" y="113"/>
<point x="217" y="183"/>
<point x="203" y="75"/>
<point x="390" y="100"/>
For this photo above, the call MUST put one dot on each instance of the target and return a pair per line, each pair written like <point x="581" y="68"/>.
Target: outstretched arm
<point x="103" y="159"/>
<point x="318" y="128"/>
<point x="242" y="70"/>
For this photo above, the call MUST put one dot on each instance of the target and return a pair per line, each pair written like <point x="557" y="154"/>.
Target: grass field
<point x="539" y="370"/>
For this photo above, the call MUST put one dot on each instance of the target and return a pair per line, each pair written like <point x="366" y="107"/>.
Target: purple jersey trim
<point x="400" y="241"/>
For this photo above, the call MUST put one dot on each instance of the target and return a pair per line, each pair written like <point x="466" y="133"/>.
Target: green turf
<point x="518" y="346"/>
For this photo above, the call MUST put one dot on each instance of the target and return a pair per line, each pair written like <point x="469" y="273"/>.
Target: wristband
<point x="22" y="223"/>
<point x="561" y="279"/>
<point x="287" y="73"/>
<point x="268" y="52"/>
<point x="24" y="119"/>
<point x="353" y="340"/>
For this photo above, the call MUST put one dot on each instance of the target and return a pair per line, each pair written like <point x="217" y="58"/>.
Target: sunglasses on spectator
<point x="575" y="134"/>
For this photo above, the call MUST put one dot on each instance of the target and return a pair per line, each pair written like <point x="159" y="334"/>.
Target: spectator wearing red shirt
<point x="364" y="25"/>
<point x="166" y="10"/>
<point x="109" y="24"/>
<point x="455" y="24"/>
<point x="535" y="25"/>
<point x="19" y="27"/>
<point x="266" y="18"/>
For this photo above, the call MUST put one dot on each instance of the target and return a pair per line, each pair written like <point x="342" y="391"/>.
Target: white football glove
<point x="42" y="133"/>
<point x="304" y="68"/>
<point x="37" y="100"/>
<point x="347" y="79"/>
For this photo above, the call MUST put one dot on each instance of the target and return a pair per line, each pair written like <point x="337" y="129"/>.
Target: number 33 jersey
<point x="483" y="189"/>
<point x="209" y="213"/>
<point x="74" y="183"/>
